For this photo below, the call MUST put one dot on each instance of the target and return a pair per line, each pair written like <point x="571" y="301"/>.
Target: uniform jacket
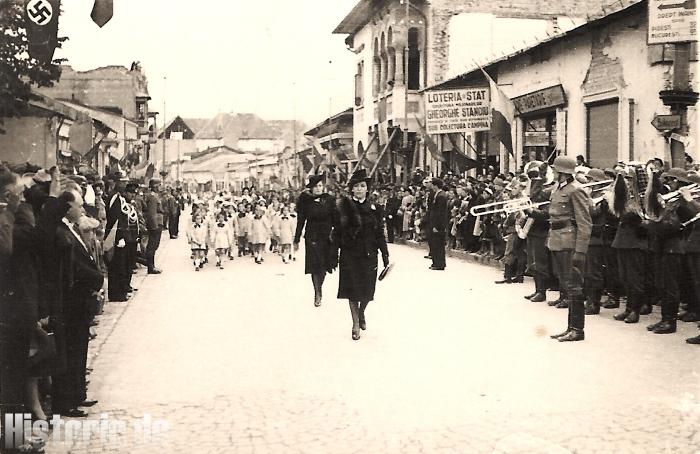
<point x="124" y="215"/>
<point x="154" y="211"/>
<point x="692" y="238"/>
<point x="540" y="216"/>
<point x="569" y="219"/>
<point x="667" y="229"/>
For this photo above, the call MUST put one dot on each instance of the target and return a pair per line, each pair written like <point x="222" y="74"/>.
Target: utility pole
<point x="679" y="98"/>
<point x="165" y="125"/>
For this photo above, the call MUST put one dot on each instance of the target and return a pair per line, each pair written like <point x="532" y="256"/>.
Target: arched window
<point x="383" y="58"/>
<point x="391" y="57"/>
<point x="413" y="65"/>
<point x="376" y="68"/>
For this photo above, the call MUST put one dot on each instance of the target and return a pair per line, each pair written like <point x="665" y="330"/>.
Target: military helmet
<point x="564" y="164"/>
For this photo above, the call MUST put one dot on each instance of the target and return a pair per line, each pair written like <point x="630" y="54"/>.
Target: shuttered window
<point x="602" y="138"/>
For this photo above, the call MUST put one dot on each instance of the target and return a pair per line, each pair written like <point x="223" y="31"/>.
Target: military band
<point x="631" y="232"/>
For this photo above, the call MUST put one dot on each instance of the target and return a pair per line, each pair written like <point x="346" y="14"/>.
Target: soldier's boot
<point x="569" y="327"/>
<point x="623" y="315"/>
<point x="665" y="327"/>
<point x="612" y="303"/>
<point x="592" y="302"/>
<point x="634" y="303"/>
<point x="540" y="294"/>
<point x="558" y="300"/>
<point x="578" y="318"/>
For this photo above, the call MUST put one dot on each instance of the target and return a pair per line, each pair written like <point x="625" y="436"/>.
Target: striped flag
<point x="432" y="146"/>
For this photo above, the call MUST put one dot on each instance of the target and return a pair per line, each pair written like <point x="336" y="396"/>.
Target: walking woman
<point x="315" y="218"/>
<point x="360" y="236"/>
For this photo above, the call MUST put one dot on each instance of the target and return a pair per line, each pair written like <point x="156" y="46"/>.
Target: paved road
<point x="240" y="360"/>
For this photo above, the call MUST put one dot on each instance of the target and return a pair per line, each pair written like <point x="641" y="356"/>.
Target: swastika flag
<point x="102" y="12"/>
<point x="41" y="20"/>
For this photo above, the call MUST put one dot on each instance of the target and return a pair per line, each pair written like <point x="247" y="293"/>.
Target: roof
<point x="349" y="112"/>
<point x="609" y="14"/>
<point x="209" y="151"/>
<point x="359" y="16"/>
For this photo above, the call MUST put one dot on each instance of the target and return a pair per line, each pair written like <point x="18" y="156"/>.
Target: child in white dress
<point x="221" y="238"/>
<point x="197" y="237"/>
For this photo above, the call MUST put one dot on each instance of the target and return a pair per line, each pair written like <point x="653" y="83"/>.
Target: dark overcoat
<point x="360" y="237"/>
<point x="315" y="220"/>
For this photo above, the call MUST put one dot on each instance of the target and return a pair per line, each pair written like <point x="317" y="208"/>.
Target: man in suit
<point x="154" y="224"/>
<point x="569" y="235"/>
<point x="76" y="279"/>
<point x="438" y="215"/>
<point x="393" y="223"/>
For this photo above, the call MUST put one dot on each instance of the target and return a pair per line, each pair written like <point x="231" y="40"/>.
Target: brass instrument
<point x="691" y="221"/>
<point x="675" y="195"/>
<point x="524" y="203"/>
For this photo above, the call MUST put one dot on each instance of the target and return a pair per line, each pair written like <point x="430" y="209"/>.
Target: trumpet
<point x="675" y="195"/>
<point x="691" y="221"/>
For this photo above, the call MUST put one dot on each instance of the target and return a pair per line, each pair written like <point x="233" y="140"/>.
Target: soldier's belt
<point x="561" y="224"/>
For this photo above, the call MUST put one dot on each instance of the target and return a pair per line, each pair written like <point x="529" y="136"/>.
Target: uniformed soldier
<point x="538" y="260"/>
<point x="117" y="225"/>
<point x="692" y="241"/>
<point x="132" y="234"/>
<point x="569" y="235"/>
<point x="668" y="231"/>
<point x="154" y="224"/>
<point x="631" y="243"/>
<point x="595" y="257"/>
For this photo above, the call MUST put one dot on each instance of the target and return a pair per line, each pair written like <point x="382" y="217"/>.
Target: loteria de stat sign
<point x="458" y="110"/>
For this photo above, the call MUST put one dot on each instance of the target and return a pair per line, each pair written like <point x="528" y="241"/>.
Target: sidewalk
<point x="461" y="255"/>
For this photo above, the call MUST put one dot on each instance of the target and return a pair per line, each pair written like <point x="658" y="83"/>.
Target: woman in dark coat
<point x="360" y="235"/>
<point x="315" y="211"/>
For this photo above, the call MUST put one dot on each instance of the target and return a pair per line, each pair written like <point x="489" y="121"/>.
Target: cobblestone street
<point x="241" y="361"/>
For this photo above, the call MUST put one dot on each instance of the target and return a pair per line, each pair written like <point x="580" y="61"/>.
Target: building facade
<point x="404" y="46"/>
<point x="592" y="91"/>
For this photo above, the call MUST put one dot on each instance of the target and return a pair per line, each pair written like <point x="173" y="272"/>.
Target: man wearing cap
<point x="569" y="235"/>
<point x="154" y="224"/>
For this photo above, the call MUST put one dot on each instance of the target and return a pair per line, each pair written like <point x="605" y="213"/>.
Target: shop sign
<point x="539" y="100"/>
<point x="537" y="139"/>
<point x="672" y="21"/>
<point x="459" y="110"/>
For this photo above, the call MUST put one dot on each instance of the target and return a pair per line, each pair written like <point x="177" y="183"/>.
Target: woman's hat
<point x="358" y="177"/>
<point x="314" y="180"/>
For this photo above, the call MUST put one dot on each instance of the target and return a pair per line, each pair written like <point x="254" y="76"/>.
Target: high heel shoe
<point x="355" y="334"/>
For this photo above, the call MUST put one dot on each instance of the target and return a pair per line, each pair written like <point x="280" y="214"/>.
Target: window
<point x="601" y="134"/>
<point x="413" y="65"/>
<point x="539" y="137"/>
<point x="359" y="84"/>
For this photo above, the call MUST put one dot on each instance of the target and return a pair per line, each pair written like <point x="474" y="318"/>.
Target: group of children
<point x="219" y="223"/>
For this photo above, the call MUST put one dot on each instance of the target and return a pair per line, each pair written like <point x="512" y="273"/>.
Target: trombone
<point x="675" y="195"/>
<point x="524" y="203"/>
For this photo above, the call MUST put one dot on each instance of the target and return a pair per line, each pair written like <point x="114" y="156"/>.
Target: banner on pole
<point x="458" y="110"/>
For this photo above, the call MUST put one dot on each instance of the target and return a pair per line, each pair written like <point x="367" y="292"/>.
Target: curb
<point x="460" y="255"/>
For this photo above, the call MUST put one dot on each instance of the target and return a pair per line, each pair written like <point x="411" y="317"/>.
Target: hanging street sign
<point x="666" y="122"/>
<point x="672" y="21"/>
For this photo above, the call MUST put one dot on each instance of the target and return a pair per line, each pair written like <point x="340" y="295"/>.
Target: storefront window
<point x="539" y="137"/>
